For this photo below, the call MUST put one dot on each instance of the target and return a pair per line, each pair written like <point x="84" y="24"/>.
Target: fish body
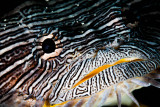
<point x="76" y="53"/>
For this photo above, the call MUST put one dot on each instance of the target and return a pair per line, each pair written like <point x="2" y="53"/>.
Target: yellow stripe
<point x="101" y="68"/>
<point x="46" y="104"/>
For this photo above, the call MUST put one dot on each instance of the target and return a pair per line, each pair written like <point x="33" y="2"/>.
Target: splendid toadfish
<point x="76" y="53"/>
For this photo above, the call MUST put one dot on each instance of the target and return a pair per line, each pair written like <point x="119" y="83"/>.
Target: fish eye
<point x="48" y="46"/>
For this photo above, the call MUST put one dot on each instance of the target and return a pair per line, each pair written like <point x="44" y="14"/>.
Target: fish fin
<point x="140" y="82"/>
<point x="118" y="93"/>
<point x="105" y="96"/>
<point x="91" y="100"/>
<point x="154" y="75"/>
<point x="152" y="82"/>
<point x="131" y="96"/>
<point x="80" y="103"/>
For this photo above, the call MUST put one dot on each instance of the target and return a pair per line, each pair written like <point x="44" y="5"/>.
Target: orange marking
<point x="48" y="105"/>
<point x="103" y="67"/>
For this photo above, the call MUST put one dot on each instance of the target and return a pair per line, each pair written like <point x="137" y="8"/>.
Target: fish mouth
<point x="103" y="67"/>
<point x="108" y="68"/>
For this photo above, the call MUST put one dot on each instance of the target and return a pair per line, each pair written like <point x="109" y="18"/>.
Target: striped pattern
<point x="108" y="77"/>
<point x="87" y="34"/>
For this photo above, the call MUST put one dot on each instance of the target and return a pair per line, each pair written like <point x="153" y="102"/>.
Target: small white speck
<point x="82" y="31"/>
<point x="5" y="25"/>
<point x="77" y="4"/>
<point x="5" y="20"/>
<point x="82" y="23"/>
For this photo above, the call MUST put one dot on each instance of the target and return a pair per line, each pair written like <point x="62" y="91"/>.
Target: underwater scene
<point x="79" y="53"/>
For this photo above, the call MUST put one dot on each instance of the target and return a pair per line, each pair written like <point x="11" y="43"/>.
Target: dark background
<point x="8" y="5"/>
